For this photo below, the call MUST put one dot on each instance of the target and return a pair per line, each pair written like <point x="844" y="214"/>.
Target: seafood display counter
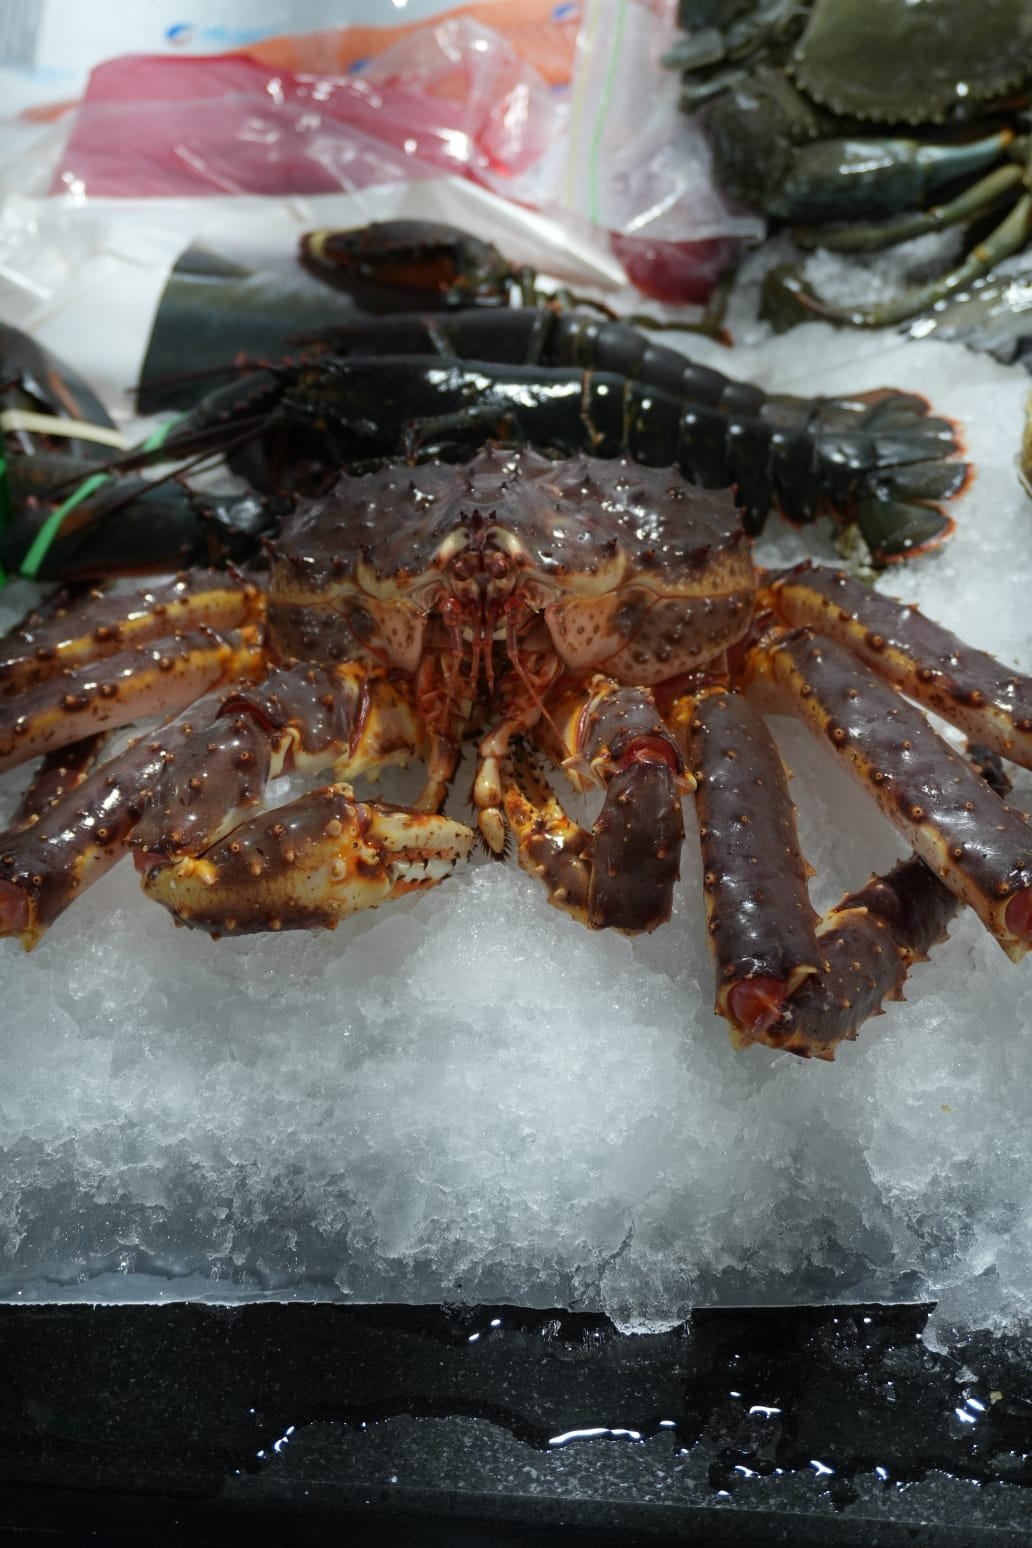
<point x="461" y="1220"/>
<point x="476" y="1425"/>
<point x="258" y="1130"/>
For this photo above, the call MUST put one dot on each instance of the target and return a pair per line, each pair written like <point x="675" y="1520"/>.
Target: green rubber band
<point x="52" y="526"/>
<point x="158" y="437"/>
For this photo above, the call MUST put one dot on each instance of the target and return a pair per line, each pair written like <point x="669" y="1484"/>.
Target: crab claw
<point x="313" y="862"/>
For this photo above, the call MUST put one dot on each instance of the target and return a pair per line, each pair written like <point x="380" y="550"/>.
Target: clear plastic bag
<point x="640" y="169"/>
<point x="452" y="97"/>
<point x="608" y="152"/>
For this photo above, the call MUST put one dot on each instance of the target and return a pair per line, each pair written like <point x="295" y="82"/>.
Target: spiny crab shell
<point x="633" y="572"/>
<point x="592" y="616"/>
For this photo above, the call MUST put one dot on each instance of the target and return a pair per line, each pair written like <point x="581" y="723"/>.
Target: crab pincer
<point x="219" y="864"/>
<point x="621" y="875"/>
<point x="311" y="862"/>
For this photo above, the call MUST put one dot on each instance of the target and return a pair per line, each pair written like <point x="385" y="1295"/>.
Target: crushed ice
<point x="468" y="1097"/>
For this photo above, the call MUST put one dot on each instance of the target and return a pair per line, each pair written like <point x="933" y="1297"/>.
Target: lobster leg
<point x="323" y="856"/>
<point x="622" y="874"/>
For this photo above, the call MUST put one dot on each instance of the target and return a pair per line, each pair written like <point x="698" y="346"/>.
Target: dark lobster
<point x="63" y="516"/>
<point x="568" y="382"/>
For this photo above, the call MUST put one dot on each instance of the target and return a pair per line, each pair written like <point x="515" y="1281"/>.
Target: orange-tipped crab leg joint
<point x="14" y="909"/>
<point x="1018" y="916"/>
<point x="964" y="832"/>
<point x="312" y="862"/>
<point x="762" y="928"/>
<point x="753" y="1005"/>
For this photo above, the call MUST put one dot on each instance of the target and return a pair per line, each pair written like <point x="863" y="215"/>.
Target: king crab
<point x="605" y="616"/>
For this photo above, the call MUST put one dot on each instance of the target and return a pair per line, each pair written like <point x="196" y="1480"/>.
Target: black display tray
<point x="292" y="1423"/>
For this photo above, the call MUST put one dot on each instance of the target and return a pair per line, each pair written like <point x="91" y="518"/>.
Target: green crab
<point x="863" y="123"/>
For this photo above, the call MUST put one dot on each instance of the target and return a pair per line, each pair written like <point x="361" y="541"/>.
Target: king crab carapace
<point x="602" y="616"/>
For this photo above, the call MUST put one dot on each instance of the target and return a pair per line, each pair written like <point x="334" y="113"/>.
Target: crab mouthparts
<point x="474" y="625"/>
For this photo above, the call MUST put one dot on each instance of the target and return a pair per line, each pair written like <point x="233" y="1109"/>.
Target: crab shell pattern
<point x="598" y="616"/>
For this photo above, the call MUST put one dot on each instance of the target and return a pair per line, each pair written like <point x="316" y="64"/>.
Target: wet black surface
<point x="470" y="1425"/>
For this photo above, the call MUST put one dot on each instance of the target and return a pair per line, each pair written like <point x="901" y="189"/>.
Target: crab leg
<point x="549" y="843"/>
<point x="1009" y="237"/>
<point x="613" y="736"/>
<point x="967" y="687"/>
<point x="871" y="939"/>
<point x="318" y="859"/>
<point x="216" y="759"/>
<point x="43" y="646"/>
<point x="761" y="924"/>
<point x="46" y="866"/>
<point x="130" y="686"/>
<point x="302" y="717"/>
<point x="980" y="847"/>
<point x="58" y="773"/>
<point x="974" y="201"/>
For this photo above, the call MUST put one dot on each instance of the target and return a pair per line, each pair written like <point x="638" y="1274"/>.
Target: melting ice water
<point x="467" y="1096"/>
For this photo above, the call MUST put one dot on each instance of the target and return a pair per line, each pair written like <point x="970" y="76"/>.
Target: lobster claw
<point x="312" y="862"/>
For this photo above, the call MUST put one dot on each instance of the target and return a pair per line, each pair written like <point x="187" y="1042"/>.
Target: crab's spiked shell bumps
<point x="635" y="572"/>
<point x="912" y="61"/>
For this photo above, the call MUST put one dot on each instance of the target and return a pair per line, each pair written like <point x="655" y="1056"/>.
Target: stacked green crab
<point x="861" y="124"/>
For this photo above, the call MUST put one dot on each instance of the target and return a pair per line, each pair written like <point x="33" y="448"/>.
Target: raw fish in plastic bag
<point x="453" y="97"/>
